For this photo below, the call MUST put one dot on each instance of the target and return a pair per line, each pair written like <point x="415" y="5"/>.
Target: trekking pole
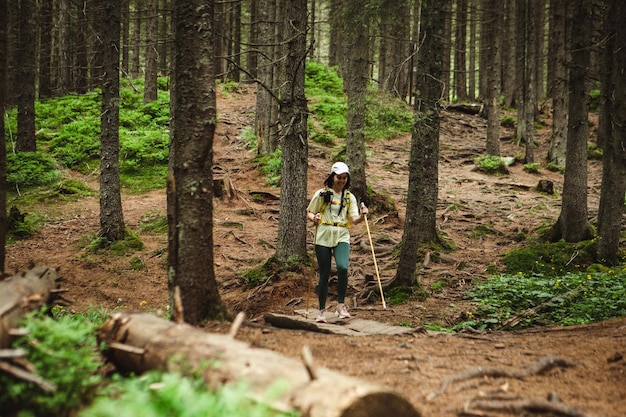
<point x="369" y="235"/>
<point x="311" y="273"/>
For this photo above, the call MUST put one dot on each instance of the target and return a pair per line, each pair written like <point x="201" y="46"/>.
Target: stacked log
<point x="22" y="293"/>
<point x="139" y="342"/>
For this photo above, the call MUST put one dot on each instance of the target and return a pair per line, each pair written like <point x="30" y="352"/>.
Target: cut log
<point x="158" y="344"/>
<point x="22" y="293"/>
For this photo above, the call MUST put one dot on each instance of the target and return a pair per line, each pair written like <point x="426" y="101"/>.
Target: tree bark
<point x="355" y="35"/>
<point x="112" y="226"/>
<point x="27" y="71"/>
<point x="492" y="16"/>
<point x="3" y="146"/>
<point x="152" y="37"/>
<point x="45" y="50"/>
<point x="460" y="72"/>
<point x="573" y="222"/>
<point x="611" y="211"/>
<point x="419" y="225"/>
<point x="22" y="293"/>
<point x="190" y="181"/>
<point x="140" y="342"/>
<point x="559" y="81"/>
<point x="294" y="138"/>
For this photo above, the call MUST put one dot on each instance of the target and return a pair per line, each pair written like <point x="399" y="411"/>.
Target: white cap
<point x="339" y="168"/>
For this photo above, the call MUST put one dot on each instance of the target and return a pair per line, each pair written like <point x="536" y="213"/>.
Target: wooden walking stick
<point x="369" y="235"/>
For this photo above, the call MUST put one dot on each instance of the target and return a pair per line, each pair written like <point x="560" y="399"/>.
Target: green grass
<point x="573" y="298"/>
<point x="63" y="349"/>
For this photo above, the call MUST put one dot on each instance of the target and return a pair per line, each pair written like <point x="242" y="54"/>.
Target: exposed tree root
<point x="542" y="366"/>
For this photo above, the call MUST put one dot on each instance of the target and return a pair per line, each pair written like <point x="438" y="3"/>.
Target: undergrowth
<point x="62" y="348"/>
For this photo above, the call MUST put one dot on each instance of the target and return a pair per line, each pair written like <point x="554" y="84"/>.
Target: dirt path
<point x="593" y="381"/>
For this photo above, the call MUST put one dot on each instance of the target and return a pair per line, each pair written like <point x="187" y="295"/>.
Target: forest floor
<point x="441" y="374"/>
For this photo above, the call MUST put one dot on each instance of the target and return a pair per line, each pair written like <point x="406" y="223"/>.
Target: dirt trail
<point x="416" y="365"/>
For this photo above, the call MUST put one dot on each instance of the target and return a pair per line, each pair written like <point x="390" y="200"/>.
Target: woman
<point x="333" y="209"/>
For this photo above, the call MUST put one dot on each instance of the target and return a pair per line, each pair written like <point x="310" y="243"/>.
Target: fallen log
<point x="139" y="342"/>
<point x="22" y="293"/>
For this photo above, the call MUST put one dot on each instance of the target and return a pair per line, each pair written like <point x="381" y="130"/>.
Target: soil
<point x="441" y="374"/>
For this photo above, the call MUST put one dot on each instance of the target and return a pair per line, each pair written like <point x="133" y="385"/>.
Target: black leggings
<point x="324" y="258"/>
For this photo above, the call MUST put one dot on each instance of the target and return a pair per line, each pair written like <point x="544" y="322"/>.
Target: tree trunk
<point x="140" y="342"/>
<point x="112" y="226"/>
<point x="27" y="71"/>
<point x="559" y="82"/>
<point x="22" y="293"/>
<point x="45" y="50"/>
<point x="573" y="223"/>
<point x="508" y="53"/>
<point x="64" y="81"/>
<point x="446" y="49"/>
<point x="460" y="72"/>
<point x="419" y="225"/>
<point x="81" y="81"/>
<point x="611" y="209"/>
<point x="190" y="181"/>
<point x="473" y="9"/>
<point x="265" y="125"/>
<point x="3" y="146"/>
<point x="293" y="117"/>
<point x="355" y="35"/>
<point x="529" y="82"/>
<point x="125" y="34"/>
<point x="492" y="16"/>
<point x="137" y="41"/>
<point x="152" y="38"/>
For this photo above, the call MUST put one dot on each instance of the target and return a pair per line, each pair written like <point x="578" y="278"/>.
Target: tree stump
<point x="140" y="342"/>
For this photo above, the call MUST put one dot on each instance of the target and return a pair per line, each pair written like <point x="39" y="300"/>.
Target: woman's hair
<point x="328" y="182"/>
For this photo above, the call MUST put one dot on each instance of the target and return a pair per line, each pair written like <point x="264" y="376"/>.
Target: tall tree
<point x="190" y="181"/>
<point x="26" y="81"/>
<point x="557" y="87"/>
<point x="112" y="226"/>
<point x="394" y="47"/>
<point x="355" y="34"/>
<point x="419" y="224"/>
<point x="266" y="126"/>
<point x="124" y="63"/>
<point x="473" y="10"/>
<point x="611" y="211"/>
<point x="509" y="63"/>
<point x="45" y="50"/>
<point x="138" y="14"/>
<point x="528" y="98"/>
<point x="573" y="223"/>
<point x="81" y="80"/>
<point x="3" y="150"/>
<point x="64" y="54"/>
<point x="152" y="43"/>
<point x="293" y="120"/>
<point x="460" y="51"/>
<point x="492" y="18"/>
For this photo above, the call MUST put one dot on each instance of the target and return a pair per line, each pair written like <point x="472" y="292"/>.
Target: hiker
<point x="333" y="209"/>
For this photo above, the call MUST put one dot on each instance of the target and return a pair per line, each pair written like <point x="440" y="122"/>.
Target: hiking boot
<point x="342" y="311"/>
<point x="321" y="317"/>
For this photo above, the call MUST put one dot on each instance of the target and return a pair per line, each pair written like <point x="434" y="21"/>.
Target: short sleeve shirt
<point x="332" y="228"/>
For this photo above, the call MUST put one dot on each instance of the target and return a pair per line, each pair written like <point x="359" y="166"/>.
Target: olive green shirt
<point x="333" y="226"/>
